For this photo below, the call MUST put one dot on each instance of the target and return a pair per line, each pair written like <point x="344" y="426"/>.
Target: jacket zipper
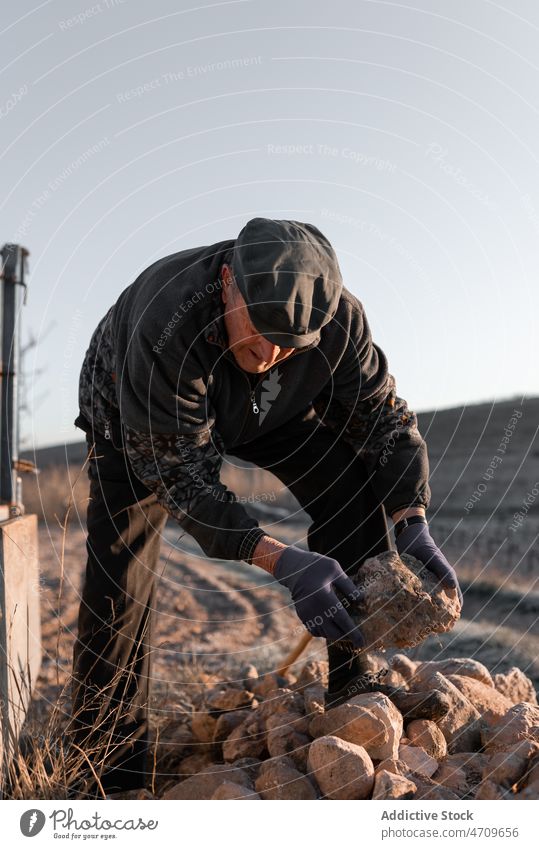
<point x="254" y="406"/>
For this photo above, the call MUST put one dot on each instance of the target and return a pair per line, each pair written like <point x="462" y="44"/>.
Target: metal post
<point x="12" y="285"/>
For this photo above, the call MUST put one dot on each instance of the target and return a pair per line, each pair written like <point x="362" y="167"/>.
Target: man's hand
<point x="311" y="579"/>
<point x="417" y="541"/>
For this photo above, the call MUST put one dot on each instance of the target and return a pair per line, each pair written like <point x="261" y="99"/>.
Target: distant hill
<point x="483" y="457"/>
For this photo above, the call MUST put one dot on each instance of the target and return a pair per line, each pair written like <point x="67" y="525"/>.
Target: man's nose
<point x="267" y="350"/>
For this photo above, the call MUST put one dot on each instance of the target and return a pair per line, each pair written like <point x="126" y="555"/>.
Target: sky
<point x="406" y="133"/>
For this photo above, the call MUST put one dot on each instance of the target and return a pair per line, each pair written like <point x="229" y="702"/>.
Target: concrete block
<point x="20" y="623"/>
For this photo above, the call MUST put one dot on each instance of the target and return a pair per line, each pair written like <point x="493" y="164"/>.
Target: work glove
<point x="416" y="540"/>
<point x="312" y="580"/>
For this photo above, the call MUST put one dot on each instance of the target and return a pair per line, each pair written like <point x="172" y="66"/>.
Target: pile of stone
<point x="269" y="737"/>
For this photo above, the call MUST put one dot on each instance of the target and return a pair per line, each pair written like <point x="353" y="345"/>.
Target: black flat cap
<point x="290" y="279"/>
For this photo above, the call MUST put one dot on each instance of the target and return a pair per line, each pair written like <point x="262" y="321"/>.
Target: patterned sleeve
<point x="362" y="405"/>
<point x="184" y="472"/>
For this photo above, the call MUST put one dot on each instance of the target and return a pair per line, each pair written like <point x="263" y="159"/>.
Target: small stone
<point x="313" y="697"/>
<point x="314" y="672"/>
<point x="342" y="769"/>
<point x="279" y="779"/>
<point x="388" y="785"/>
<point x="471" y="763"/>
<point x="453" y="778"/>
<point x="403" y="602"/>
<point x="531" y="791"/>
<point x="521" y="722"/>
<point x="227" y="698"/>
<point x="393" y="765"/>
<point x="193" y="764"/>
<point x="203" y="726"/>
<point x="430" y="790"/>
<point x="226" y="723"/>
<point x="486" y="699"/>
<point x="287" y="736"/>
<point x="490" y="790"/>
<point x="509" y="766"/>
<point x="247" y="740"/>
<point x="230" y="790"/>
<point x="268" y="682"/>
<point x="139" y="794"/>
<point x="281" y="700"/>
<point x="417" y="760"/>
<point x="515" y="686"/>
<point x="205" y="783"/>
<point x="460" y="725"/>
<point x="425" y="733"/>
<point x="249" y="676"/>
<point x="404" y="665"/>
<point x="370" y="720"/>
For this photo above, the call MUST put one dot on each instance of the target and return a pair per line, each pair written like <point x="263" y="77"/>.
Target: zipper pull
<point x="107" y="429"/>
<point x="253" y="402"/>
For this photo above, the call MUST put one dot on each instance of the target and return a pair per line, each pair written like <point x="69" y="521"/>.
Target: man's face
<point x="252" y="352"/>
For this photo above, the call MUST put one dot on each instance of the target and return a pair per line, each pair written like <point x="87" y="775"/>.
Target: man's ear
<point x="227" y="282"/>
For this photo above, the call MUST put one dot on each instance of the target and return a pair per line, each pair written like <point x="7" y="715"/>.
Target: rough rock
<point x="521" y="722"/>
<point x="268" y="682"/>
<point x="486" y="699"/>
<point x="490" y="790"/>
<point x="509" y="766"/>
<point x="138" y="794"/>
<point x="314" y="672"/>
<point x="203" y="726"/>
<point x="205" y="783"/>
<point x="430" y="790"/>
<point x="194" y="763"/>
<point x="287" y="736"/>
<point x="425" y="733"/>
<point x="389" y="785"/>
<point x="531" y="791"/>
<point x="226" y="723"/>
<point x="281" y="700"/>
<point x="393" y="765"/>
<point x="230" y="790"/>
<point x="460" y="726"/>
<point x="279" y="779"/>
<point x="456" y="666"/>
<point x="453" y="778"/>
<point x="403" y="602"/>
<point x="471" y="763"/>
<point x="313" y="697"/>
<point x="515" y="686"/>
<point x="404" y="665"/>
<point x="370" y="720"/>
<point x="342" y="769"/>
<point x="227" y="698"/>
<point x="417" y="760"/>
<point x="247" y="740"/>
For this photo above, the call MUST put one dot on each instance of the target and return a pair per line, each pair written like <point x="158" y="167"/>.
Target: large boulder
<point x="342" y="769"/>
<point x="402" y="602"/>
<point x="287" y="735"/>
<point x="370" y="720"/>
<point x="515" y="686"/>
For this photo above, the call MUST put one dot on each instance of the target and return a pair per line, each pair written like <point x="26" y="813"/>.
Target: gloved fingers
<point x="348" y="629"/>
<point x="346" y="586"/>
<point x="445" y="573"/>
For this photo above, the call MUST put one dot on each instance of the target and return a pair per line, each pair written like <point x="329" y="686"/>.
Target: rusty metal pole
<point x="13" y="285"/>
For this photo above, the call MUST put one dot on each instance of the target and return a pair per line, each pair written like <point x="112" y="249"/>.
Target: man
<point x="251" y="347"/>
